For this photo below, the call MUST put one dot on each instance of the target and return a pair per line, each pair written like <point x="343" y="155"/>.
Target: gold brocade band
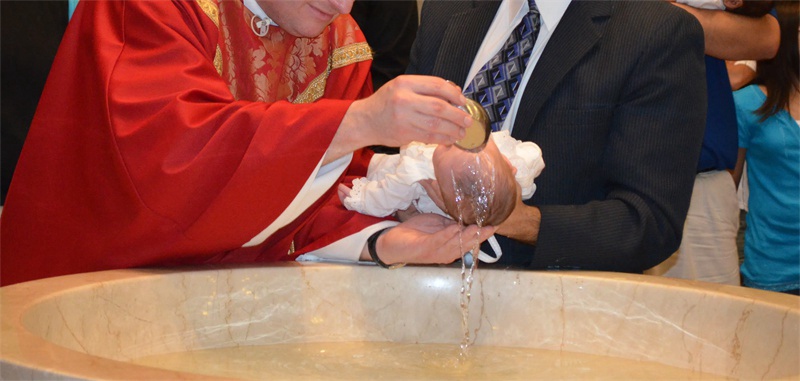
<point x="341" y="57"/>
<point x="218" y="61"/>
<point x="211" y="10"/>
<point x="351" y="54"/>
<point x="315" y="89"/>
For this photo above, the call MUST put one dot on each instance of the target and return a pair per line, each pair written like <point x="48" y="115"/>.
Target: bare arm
<point x="739" y="169"/>
<point x="730" y="36"/>
<point x="740" y="75"/>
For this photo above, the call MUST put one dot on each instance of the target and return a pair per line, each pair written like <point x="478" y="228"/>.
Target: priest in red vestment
<point x="214" y="131"/>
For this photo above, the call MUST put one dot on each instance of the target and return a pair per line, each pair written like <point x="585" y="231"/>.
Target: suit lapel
<point x="463" y="36"/>
<point x="578" y="31"/>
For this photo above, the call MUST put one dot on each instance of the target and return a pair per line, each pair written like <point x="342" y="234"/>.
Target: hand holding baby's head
<point x="476" y="188"/>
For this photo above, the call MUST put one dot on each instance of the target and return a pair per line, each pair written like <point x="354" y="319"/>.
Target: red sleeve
<point x="139" y="155"/>
<point x="360" y="164"/>
<point x="331" y="223"/>
<point x="193" y="154"/>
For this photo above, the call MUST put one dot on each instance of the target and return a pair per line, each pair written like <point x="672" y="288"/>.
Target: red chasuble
<point x="169" y="134"/>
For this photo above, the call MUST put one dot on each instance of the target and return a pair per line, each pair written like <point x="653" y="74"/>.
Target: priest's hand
<point x="405" y="109"/>
<point x="427" y="239"/>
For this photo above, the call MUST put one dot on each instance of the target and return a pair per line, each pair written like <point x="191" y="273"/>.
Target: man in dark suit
<point x="614" y="94"/>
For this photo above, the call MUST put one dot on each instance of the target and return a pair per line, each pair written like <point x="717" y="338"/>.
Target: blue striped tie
<point x="496" y="84"/>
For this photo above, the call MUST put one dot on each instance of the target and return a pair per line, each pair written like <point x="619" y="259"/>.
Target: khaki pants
<point x="708" y="251"/>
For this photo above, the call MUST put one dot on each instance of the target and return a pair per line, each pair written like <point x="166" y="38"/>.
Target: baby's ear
<point x="733" y="4"/>
<point x="434" y="192"/>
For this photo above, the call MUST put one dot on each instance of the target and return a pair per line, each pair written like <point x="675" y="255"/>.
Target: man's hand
<point x="428" y="239"/>
<point x="523" y="223"/>
<point x="413" y="108"/>
<point x="405" y="109"/>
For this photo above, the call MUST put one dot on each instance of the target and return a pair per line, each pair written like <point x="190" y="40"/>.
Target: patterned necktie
<point x="498" y="80"/>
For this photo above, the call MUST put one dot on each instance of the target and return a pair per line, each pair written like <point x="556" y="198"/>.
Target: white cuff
<point x="346" y="249"/>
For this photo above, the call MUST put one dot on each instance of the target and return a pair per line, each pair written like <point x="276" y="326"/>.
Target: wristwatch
<point x="371" y="243"/>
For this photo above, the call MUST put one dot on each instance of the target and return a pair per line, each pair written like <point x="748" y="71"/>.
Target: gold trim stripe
<point x="351" y="54"/>
<point x="341" y="57"/>
<point x="218" y="61"/>
<point x="314" y="90"/>
<point x="211" y="10"/>
<point x="209" y="7"/>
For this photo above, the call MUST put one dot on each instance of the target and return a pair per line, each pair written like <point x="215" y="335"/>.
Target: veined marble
<point x="88" y="326"/>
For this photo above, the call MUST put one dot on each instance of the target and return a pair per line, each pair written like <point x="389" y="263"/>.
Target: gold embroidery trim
<point x="351" y="54"/>
<point x="211" y="10"/>
<point x="218" y="61"/>
<point x="341" y="57"/>
<point x="315" y="89"/>
<point x="291" y="249"/>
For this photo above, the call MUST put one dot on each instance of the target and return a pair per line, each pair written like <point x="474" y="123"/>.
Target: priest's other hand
<point x="427" y="239"/>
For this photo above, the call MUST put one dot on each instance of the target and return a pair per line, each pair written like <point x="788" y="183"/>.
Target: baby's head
<point x="476" y="187"/>
<point x="750" y="8"/>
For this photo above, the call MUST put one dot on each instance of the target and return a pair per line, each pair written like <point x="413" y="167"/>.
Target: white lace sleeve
<point x="392" y="184"/>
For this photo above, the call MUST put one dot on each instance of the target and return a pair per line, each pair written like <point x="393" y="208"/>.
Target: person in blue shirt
<point x="769" y="141"/>
<point x="708" y="249"/>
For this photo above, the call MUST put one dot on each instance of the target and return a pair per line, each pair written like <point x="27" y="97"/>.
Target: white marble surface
<point x="87" y="326"/>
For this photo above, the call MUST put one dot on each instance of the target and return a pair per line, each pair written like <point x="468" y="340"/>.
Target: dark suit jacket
<point x="617" y="103"/>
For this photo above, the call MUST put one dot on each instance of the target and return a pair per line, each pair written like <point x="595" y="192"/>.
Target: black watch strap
<point x="373" y="253"/>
